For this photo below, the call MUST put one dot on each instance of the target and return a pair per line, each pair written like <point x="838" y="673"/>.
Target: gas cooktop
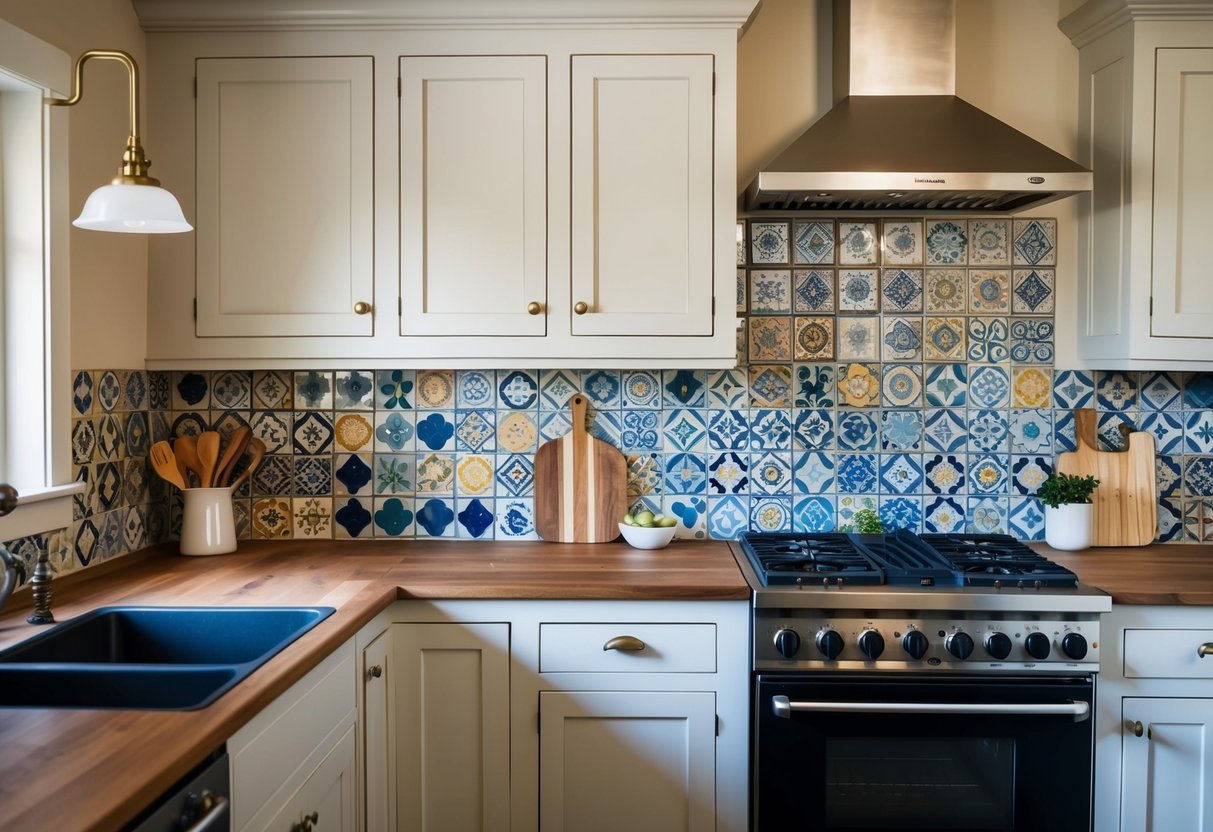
<point x="899" y="559"/>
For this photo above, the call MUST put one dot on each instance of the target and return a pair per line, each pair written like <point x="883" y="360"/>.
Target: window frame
<point x="36" y="357"/>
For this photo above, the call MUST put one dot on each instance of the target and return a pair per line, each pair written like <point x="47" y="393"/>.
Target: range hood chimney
<point x="898" y="138"/>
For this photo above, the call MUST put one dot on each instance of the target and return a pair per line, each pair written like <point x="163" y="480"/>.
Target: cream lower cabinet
<point x="512" y="715"/>
<point x="1145" y="123"/>
<point x="1167" y="773"/>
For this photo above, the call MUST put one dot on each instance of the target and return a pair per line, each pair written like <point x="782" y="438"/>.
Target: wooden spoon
<point x="208" y="455"/>
<point x="256" y="453"/>
<point x="186" y="449"/>
<point x="236" y="444"/>
<point x="165" y="464"/>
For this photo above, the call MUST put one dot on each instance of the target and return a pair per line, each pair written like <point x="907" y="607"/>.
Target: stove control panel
<point x="821" y="641"/>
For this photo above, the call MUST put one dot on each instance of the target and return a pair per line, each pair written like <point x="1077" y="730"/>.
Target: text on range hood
<point x="898" y="138"/>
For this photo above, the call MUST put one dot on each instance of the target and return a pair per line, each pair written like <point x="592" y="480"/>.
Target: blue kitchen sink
<point x="165" y="658"/>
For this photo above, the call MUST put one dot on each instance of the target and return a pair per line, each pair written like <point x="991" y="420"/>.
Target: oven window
<point x="920" y="783"/>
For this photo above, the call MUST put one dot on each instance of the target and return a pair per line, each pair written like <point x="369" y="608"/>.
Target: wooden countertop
<point x="69" y="770"/>
<point x="1162" y="573"/>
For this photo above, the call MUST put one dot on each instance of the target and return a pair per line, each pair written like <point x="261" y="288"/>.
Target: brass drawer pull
<point x="629" y="643"/>
<point x="362" y="308"/>
<point x="534" y="307"/>
<point x="1205" y="649"/>
<point x="581" y="307"/>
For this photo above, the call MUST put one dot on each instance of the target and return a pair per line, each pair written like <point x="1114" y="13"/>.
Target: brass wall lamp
<point x="133" y="202"/>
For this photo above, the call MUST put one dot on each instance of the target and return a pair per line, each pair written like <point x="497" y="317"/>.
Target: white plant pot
<point x="1068" y="526"/>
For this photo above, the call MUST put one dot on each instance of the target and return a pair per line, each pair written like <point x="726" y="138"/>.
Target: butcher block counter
<point x="1160" y="574"/>
<point x="67" y="770"/>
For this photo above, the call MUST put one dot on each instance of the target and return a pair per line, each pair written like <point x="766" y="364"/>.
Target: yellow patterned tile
<point x="859" y="385"/>
<point x="353" y="432"/>
<point x="313" y="517"/>
<point x="814" y="339"/>
<point x="436" y="388"/>
<point x="1031" y="387"/>
<point x="436" y="474"/>
<point x="272" y="519"/>
<point x="945" y="339"/>
<point x="517" y="432"/>
<point x="475" y="475"/>
<point x="770" y="338"/>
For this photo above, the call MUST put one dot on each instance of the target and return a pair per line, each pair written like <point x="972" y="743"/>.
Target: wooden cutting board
<point x="1125" y="503"/>
<point x="580" y="485"/>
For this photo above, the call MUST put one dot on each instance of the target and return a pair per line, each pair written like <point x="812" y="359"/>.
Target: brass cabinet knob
<point x="374" y="671"/>
<point x="581" y="307"/>
<point x="362" y="308"/>
<point x="1138" y="728"/>
<point x="1205" y="649"/>
<point x="629" y="643"/>
<point x="534" y="307"/>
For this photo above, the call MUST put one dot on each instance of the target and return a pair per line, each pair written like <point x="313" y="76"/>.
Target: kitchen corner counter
<point x="93" y="770"/>
<point x="1161" y="573"/>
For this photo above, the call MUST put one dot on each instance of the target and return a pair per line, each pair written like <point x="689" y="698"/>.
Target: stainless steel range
<point x="919" y="682"/>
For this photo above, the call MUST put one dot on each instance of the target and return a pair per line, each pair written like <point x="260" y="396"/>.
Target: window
<point x="35" y="453"/>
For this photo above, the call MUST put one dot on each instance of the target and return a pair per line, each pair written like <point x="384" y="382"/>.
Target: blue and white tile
<point x="556" y="423"/>
<point x="108" y="392"/>
<point x="857" y="473"/>
<point x="1198" y="520"/>
<point x="517" y="390"/>
<point x="475" y="430"/>
<point x="1170" y="524"/>
<point x="813" y="472"/>
<point x="1033" y="291"/>
<point x="728" y="516"/>
<point x="813" y="514"/>
<point x="902" y="385"/>
<point x="728" y="389"/>
<point x="191" y="391"/>
<point x="729" y="473"/>
<point x="474" y="519"/>
<point x="1198" y="391"/>
<point x="944" y="474"/>
<point x="857" y="430"/>
<point x="685" y="430"/>
<point x="354" y="390"/>
<point x="232" y="389"/>
<point x="771" y="514"/>
<point x="858" y="290"/>
<point x="988" y="430"/>
<point x="857" y="244"/>
<point x="813" y="292"/>
<point x="603" y="388"/>
<point x="515" y="475"/>
<point x="394" y="517"/>
<point x="989" y="291"/>
<point x="768" y="242"/>
<point x="770" y="385"/>
<point x="1115" y="390"/>
<point x="813" y="429"/>
<point x="900" y="473"/>
<point x="813" y="242"/>
<point x="135" y="390"/>
<point x="313" y="390"/>
<point x="1072" y="389"/>
<point x="945" y="291"/>
<point x="641" y="430"/>
<point x="684" y="388"/>
<point x="1159" y="391"/>
<point x="901" y="339"/>
<point x="858" y="338"/>
<point x="989" y="339"/>
<point x="1064" y="438"/>
<point x="313" y="475"/>
<point x="1110" y="427"/>
<point x="728" y="429"/>
<point x="556" y="387"/>
<point x="771" y="473"/>
<point x="1028" y="473"/>
<point x="435" y="431"/>
<point x="741" y="243"/>
<point x="1168" y="475"/>
<point x="1032" y="340"/>
<point x="988" y="474"/>
<point x="313" y="433"/>
<point x="987" y="515"/>
<point x="691" y="512"/>
<point x="813" y="385"/>
<point x="515" y="519"/>
<point x="901" y="430"/>
<point x="1035" y="242"/>
<point x="394" y="389"/>
<point x="945" y="339"/>
<point x="1167" y="428"/>
<point x="989" y="386"/>
<point x="771" y="429"/>
<point x="352" y="474"/>
<point x="943" y="514"/>
<point x="901" y="242"/>
<point x="990" y="242"/>
<point x="644" y="474"/>
<point x="607" y="426"/>
<point x="901" y="513"/>
<point x="1198" y="432"/>
<point x="1027" y="518"/>
<point x="743" y="294"/>
<point x="770" y="291"/>
<point x="902" y="290"/>
<point x="352" y="518"/>
<point x="946" y="385"/>
<point x="945" y="430"/>
<point x="686" y="473"/>
<point x="947" y="242"/>
<point x="1032" y="431"/>
<point x="82" y="394"/>
<point x="642" y="389"/>
<point x="475" y="389"/>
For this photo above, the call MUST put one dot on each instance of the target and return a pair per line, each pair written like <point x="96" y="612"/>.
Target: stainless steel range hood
<point x="898" y="138"/>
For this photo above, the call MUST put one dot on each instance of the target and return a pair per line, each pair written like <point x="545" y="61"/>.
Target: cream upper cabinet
<point x="642" y="166"/>
<point x="285" y="196"/>
<point x="1146" y="123"/>
<point x="473" y="195"/>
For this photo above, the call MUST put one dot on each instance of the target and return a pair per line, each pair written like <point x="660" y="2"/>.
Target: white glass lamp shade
<point x="132" y="209"/>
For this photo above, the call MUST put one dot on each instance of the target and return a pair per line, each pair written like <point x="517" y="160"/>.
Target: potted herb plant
<point x="1067" y="499"/>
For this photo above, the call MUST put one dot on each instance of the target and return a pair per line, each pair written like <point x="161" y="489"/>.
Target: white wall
<point x="108" y="271"/>
<point x="1011" y="61"/>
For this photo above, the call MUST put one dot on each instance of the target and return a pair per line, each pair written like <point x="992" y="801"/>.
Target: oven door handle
<point x="783" y="707"/>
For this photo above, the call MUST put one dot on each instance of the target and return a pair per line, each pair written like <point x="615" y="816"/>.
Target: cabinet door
<point x="285" y="196"/>
<point x="1183" y="193"/>
<point x="642" y="172"/>
<point x="643" y="762"/>
<point x="378" y="724"/>
<point x="452" y="684"/>
<point x="326" y="798"/>
<point x="473" y="195"/>
<point x="1167" y="773"/>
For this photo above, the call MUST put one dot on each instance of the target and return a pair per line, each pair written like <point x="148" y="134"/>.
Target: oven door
<point x="898" y="753"/>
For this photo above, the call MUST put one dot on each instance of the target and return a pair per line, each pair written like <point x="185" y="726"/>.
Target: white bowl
<point x="647" y="537"/>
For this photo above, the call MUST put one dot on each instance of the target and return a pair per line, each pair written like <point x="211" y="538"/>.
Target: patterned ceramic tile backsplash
<point x="903" y="364"/>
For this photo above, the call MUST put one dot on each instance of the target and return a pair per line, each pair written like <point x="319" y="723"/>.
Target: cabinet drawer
<point x="668" y="648"/>
<point x="1167" y="654"/>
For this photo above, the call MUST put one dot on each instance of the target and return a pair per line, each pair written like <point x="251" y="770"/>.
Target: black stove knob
<point x="829" y="643"/>
<point x="959" y="645"/>
<point x="1074" y="646"/>
<point x="871" y="644"/>
<point x="998" y="645"/>
<point x="915" y="643"/>
<point x="787" y="642"/>
<point x="1037" y="645"/>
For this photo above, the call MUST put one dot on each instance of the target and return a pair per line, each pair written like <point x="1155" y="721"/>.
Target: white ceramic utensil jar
<point x="207" y="526"/>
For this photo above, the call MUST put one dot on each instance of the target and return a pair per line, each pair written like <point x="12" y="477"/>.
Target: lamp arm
<point x="123" y="58"/>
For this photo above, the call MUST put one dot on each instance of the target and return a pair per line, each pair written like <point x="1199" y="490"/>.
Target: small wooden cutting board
<point x="580" y="485"/>
<point x="1125" y="503"/>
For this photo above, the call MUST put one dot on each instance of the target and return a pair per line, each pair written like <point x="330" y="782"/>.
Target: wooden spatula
<point x="256" y="450"/>
<point x="165" y="464"/>
<point x="236" y="444"/>
<point x="208" y="455"/>
<point x="186" y="450"/>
